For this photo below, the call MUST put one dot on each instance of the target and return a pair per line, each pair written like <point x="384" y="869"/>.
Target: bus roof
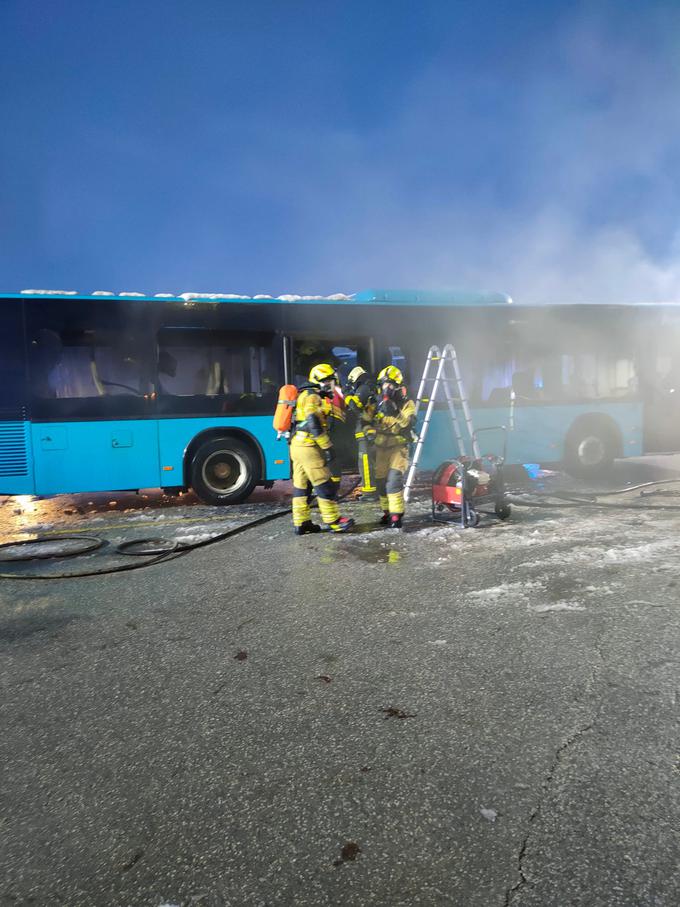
<point x="442" y="298"/>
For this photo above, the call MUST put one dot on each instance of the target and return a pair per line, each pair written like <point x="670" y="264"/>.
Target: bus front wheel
<point x="224" y="471"/>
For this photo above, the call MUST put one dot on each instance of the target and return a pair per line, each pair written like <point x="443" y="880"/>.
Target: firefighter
<point x="312" y="453"/>
<point x="361" y="402"/>
<point x="395" y="417"/>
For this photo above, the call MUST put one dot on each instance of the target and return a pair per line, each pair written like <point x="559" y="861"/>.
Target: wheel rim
<point x="224" y="471"/>
<point x="591" y="451"/>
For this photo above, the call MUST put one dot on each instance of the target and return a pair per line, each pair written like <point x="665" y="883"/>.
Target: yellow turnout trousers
<point x="311" y="474"/>
<point x="391" y="463"/>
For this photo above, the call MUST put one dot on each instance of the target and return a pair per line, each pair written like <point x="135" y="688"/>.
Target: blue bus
<point x="108" y="392"/>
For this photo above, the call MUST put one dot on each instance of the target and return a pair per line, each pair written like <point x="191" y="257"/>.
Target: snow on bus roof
<point x="365" y="297"/>
<point x="335" y="297"/>
<point x="50" y="292"/>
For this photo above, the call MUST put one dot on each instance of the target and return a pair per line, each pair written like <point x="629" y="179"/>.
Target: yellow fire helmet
<point x="390" y="373"/>
<point x="322" y="372"/>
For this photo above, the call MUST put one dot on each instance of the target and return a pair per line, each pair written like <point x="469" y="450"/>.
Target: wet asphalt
<point x="432" y="717"/>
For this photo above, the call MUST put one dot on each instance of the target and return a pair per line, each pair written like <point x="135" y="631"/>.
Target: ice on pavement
<point x="504" y="589"/>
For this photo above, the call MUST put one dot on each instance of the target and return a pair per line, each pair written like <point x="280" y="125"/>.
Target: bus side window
<point x="81" y="364"/>
<point x="523" y="386"/>
<point x="238" y="372"/>
<point x="45" y="351"/>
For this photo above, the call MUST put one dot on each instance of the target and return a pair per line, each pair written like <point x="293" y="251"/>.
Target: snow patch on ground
<point x="556" y="606"/>
<point x="194" y="539"/>
<point x="648" y="552"/>
<point x="504" y="590"/>
<point x="489" y="814"/>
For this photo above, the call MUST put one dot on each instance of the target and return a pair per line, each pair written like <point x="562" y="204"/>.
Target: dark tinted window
<point x="212" y="371"/>
<point x="89" y="359"/>
<point x="12" y="358"/>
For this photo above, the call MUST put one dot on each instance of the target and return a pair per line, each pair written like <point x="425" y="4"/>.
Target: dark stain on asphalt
<point x="325" y="678"/>
<point x="24" y="629"/>
<point x="241" y="655"/>
<point x="350" y="851"/>
<point x="391" y="712"/>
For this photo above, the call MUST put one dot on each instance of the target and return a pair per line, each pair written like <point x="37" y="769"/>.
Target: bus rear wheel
<point x="589" y="451"/>
<point x="224" y="471"/>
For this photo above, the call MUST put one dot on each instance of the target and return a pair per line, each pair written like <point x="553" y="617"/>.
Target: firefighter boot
<point x="307" y="527"/>
<point x="342" y="524"/>
<point x="384" y="519"/>
<point x="395" y="520"/>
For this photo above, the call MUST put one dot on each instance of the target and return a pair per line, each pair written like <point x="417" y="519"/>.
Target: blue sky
<point x="272" y="147"/>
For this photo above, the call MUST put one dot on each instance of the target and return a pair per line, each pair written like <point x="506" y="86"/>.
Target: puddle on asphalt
<point x="380" y="556"/>
<point x="366" y="553"/>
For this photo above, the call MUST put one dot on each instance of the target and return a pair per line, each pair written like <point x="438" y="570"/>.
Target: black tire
<point x="502" y="511"/>
<point x="224" y="471"/>
<point x="589" y="450"/>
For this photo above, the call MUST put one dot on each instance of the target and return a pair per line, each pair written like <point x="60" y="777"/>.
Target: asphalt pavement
<point x="433" y="717"/>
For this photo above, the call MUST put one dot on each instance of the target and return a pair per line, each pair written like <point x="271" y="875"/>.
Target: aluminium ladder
<point x="441" y="379"/>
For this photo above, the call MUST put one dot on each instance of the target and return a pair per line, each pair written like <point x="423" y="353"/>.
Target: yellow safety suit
<point x="393" y="436"/>
<point x="310" y="464"/>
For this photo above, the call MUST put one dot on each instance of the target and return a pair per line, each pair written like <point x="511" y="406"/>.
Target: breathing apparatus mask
<point x="390" y="400"/>
<point x="393" y="392"/>
<point x="327" y="388"/>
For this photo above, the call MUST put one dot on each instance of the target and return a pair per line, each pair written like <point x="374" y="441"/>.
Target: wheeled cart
<point x="460" y="487"/>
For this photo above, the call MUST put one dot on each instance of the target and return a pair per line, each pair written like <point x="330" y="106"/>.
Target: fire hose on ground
<point x="158" y="550"/>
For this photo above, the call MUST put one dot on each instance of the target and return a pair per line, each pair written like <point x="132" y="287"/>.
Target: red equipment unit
<point x="458" y="486"/>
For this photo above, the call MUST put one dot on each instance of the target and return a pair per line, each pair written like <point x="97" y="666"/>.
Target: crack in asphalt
<point x="547" y="781"/>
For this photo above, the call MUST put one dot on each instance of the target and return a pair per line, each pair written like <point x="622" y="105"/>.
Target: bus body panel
<point x="175" y="436"/>
<point x="95" y="456"/>
<point x="16" y="458"/>
<point x="539" y="431"/>
<point x="90" y="438"/>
